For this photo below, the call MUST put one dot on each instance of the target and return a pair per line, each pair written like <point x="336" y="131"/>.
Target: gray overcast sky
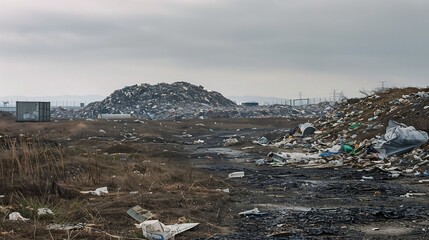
<point x="236" y="47"/>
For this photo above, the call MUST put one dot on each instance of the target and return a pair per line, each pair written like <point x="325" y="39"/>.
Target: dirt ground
<point x="161" y="166"/>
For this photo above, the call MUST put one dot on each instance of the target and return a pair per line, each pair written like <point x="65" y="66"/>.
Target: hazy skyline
<point x="236" y="47"/>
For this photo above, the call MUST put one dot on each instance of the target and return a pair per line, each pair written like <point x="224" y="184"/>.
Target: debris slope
<point x="150" y="101"/>
<point x="178" y="101"/>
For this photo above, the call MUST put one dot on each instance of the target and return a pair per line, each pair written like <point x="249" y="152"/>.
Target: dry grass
<point x="34" y="175"/>
<point x="23" y="162"/>
<point x="48" y="164"/>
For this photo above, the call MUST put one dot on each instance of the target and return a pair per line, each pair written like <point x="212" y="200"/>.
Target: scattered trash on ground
<point x="44" y="211"/>
<point x="230" y="142"/>
<point x="236" y="175"/>
<point x="252" y="212"/>
<point x="99" y="191"/>
<point x="16" y="216"/>
<point x="65" y="227"/>
<point x="140" y="214"/>
<point x="155" y="230"/>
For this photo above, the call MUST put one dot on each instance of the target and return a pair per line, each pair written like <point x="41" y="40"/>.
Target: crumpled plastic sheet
<point x="398" y="139"/>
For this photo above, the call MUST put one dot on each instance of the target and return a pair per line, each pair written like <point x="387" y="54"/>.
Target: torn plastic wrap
<point x="155" y="230"/>
<point x="16" y="216"/>
<point x="398" y="139"/>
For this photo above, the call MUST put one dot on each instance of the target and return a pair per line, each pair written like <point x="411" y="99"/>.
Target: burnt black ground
<point x="310" y="203"/>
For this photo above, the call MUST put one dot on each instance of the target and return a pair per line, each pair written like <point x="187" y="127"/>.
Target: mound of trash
<point x="387" y="131"/>
<point x="369" y="116"/>
<point x="181" y="100"/>
<point x="154" y="101"/>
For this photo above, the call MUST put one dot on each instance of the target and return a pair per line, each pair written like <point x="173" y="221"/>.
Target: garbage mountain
<point x="182" y="100"/>
<point x="179" y="99"/>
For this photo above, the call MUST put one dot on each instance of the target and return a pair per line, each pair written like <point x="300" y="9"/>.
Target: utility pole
<point x="383" y="85"/>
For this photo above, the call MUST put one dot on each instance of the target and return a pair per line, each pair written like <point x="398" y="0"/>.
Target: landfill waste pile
<point x="149" y="101"/>
<point x="387" y="131"/>
<point x="177" y="101"/>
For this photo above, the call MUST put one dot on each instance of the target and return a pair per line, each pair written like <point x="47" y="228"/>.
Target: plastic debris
<point x="16" y="216"/>
<point x="347" y="148"/>
<point x="260" y="162"/>
<point x="55" y="226"/>
<point x="252" y="212"/>
<point x="398" y="139"/>
<point x="226" y="190"/>
<point x="263" y="141"/>
<point x="236" y="175"/>
<point x="98" y="191"/>
<point x="140" y="214"/>
<point x="328" y="154"/>
<point x="306" y="129"/>
<point x="354" y="126"/>
<point x="408" y="195"/>
<point x="155" y="230"/>
<point x="230" y="142"/>
<point x="44" y="211"/>
<point x="199" y="141"/>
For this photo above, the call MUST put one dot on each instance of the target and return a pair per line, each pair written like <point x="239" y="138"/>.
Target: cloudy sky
<point x="236" y="47"/>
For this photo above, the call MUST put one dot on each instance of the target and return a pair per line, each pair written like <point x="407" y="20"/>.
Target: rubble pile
<point x="369" y="116"/>
<point x="151" y="101"/>
<point x="270" y="111"/>
<point x="181" y="100"/>
<point x="385" y="131"/>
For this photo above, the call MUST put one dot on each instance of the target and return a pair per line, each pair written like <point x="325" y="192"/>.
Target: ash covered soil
<point x="179" y="171"/>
